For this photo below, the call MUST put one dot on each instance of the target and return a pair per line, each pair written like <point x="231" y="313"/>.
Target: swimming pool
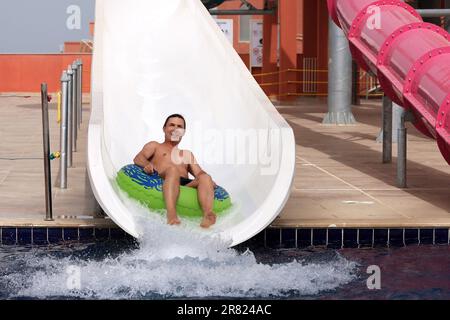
<point x="176" y="263"/>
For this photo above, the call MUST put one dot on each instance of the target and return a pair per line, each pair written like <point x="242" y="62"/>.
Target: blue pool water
<point x="176" y="263"/>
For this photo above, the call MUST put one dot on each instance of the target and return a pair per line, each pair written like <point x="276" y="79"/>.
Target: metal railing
<point x="46" y="145"/>
<point x="71" y="116"/>
<point x="74" y="106"/>
<point x="309" y="75"/>
<point x="311" y="84"/>
<point x="65" y="80"/>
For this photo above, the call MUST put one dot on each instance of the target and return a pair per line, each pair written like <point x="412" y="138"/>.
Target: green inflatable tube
<point x="147" y="189"/>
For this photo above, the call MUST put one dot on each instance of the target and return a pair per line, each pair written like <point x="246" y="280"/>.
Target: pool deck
<point x="22" y="195"/>
<point x="340" y="181"/>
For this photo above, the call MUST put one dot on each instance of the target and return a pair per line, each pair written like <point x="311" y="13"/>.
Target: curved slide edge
<point x="277" y="198"/>
<point x="100" y="163"/>
<point x="100" y="184"/>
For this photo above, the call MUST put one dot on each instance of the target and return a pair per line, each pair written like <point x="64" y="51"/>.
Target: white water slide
<point x="153" y="58"/>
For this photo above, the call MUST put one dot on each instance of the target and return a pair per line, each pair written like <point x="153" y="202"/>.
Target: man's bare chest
<point x="173" y="156"/>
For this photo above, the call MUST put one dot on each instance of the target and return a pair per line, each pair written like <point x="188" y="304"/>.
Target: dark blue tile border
<point x="426" y="236"/>
<point x="411" y="236"/>
<point x="55" y="235"/>
<point x="9" y="236"/>
<point x="381" y="237"/>
<point x="40" y="236"/>
<point x="442" y="236"/>
<point x="288" y="238"/>
<point x="86" y="234"/>
<point x="24" y="236"/>
<point x="70" y="234"/>
<point x="319" y="237"/>
<point x="304" y="238"/>
<point x="335" y="238"/>
<point x="366" y="237"/>
<point x="271" y="237"/>
<point x="351" y="238"/>
<point x="101" y="234"/>
<point x="396" y="237"/>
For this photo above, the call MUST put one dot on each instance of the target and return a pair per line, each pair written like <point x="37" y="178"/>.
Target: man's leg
<point x="205" y="191"/>
<point x="171" y="190"/>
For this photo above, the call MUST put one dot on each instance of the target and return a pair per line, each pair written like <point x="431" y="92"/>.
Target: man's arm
<point x="143" y="158"/>
<point x="194" y="168"/>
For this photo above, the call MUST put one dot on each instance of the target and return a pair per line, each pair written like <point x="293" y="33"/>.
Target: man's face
<point x="174" y="129"/>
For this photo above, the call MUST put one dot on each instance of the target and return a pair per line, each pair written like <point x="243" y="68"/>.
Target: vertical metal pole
<point x="80" y="91"/>
<point x="397" y="113"/>
<point x="69" y="117"/>
<point x="402" y="153"/>
<point x="387" y="130"/>
<point x="74" y="106"/>
<point x="64" y="130"/>
<point x="46" y="144"/>
<point x="339" y="78"/>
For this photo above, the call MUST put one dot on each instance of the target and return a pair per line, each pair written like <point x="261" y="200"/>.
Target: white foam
<point x="176" y="262"/>
<point x="181" y="261"/>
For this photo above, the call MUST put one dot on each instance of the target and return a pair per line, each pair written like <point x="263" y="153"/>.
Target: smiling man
<point x="174" y="166"/>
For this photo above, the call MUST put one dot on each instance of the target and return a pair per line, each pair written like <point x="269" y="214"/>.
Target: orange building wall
<point x="308" y="32"/>
<point x="315" y="39"/>
<point x="269" y="77"/>
<point x="26" y="72"/>
<point x="300" y="26"/>
<point x="72" y="47"/>
<point x="288" y="49"/>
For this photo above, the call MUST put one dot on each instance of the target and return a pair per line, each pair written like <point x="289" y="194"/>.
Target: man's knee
<point x="205" y="178"/>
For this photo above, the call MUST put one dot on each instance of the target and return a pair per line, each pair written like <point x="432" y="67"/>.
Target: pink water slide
<point x="410" y="57"/>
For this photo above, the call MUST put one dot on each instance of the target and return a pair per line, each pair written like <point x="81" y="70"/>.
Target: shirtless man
<point x="174" y="166"/>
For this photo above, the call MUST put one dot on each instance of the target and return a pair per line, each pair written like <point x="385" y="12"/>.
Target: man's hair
<point x="176" y="115"/>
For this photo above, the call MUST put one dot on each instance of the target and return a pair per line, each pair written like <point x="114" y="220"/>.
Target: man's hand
<point x="148" y="169"/>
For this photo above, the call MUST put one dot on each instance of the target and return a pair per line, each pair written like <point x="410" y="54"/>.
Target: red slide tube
<point x="410" y="57"/>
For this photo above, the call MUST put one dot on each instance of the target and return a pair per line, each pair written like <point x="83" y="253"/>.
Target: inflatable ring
<point x="147" y="189"/>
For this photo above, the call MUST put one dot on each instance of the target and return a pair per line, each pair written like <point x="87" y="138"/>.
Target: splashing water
<point x="169" y="262"/>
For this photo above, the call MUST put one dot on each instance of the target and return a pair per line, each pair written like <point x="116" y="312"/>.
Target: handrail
<point x="46" y="149"/>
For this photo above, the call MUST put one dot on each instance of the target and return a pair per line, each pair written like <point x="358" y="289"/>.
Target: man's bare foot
<point x="208" y="220"/>
<point x="173" y="221"/>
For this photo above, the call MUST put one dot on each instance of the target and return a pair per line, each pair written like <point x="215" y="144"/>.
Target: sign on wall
<point x="256" y="43"/>
<point x="227" y="28"/>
